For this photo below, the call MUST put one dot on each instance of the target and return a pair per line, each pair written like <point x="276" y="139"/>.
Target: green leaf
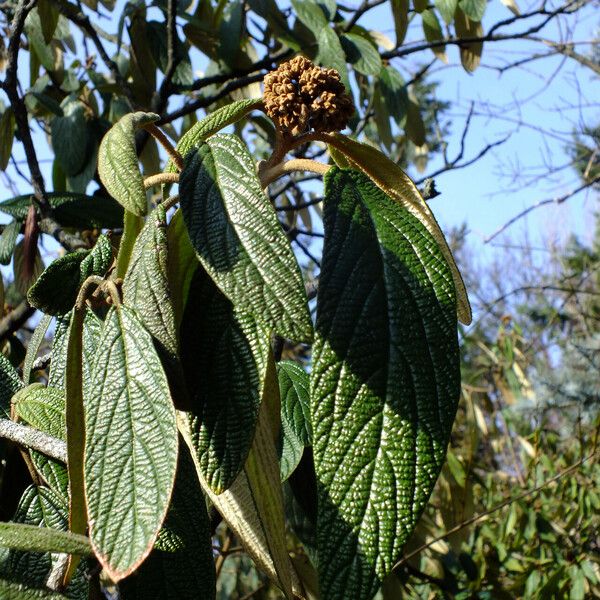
<point x="415" y="128"/>
<point x="55" y="291"/>
<point x="390" y="178"/>
<point x="212" y="123"/>
<point x="400" y="14"/>
<point x="181" y="566"/>
<point x="230" y="350"/>
<point x="12" y="590"/>
<point x="7" y="135"/>
<point x="48" y="19"/>
<point x="8" y="240"/>
<point x="433" y="33"/>
<point x="10" y="384"/>
<point x="393" y="91"/>
<point x="384" y="385"/>
<point x="157" y="38"/>
<point x="42" y="407"/>
<point x="331" y="54"/>
<point x="470" y="54"/>
<point x="98" y="260"/>
<point x="238" y="238"/>
<point x="70" y="136"/>
<point x="310" y="13"/>
<point x="447" y="9"/>
<point x="290" y="450"/>
<point x="295" y="399"/>
<point x="361" y="53"/>
<point x="33" y="347"/>
<point x="72" y="210"/>
<point x="58" y="362"/>
<point x="31" y="538"/>
<point x="118" y="164"/>
<point x="146" y="289"/>
<point x="43" y="51"/>
<point x="474" y="9"/>
<point x="131" y="445"/>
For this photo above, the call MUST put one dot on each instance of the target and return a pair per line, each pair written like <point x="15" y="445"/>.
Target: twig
<point x="269" y="175"/>
<point x="15" y="319"/>
<point x="162" y="139"/>
<point x="160" y="178"/>
<point x="34" y="438"/>
<point x="41" y="363"/>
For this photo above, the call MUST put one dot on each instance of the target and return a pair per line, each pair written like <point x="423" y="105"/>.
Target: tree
<point x="165" y="382"/>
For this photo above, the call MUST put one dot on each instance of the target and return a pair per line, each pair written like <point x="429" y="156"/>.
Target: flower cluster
<point x="300" y="96"/>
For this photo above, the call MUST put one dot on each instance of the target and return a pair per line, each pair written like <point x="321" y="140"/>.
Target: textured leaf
<point x="361" y="53"/>
<point x="181" y="566"/>
<point x="33" y="347"/>
<point x="31" y="538"/>
<point x="55" y="291"/>
<point x="395" y="96"/>
<point x="397" y="184"/>
<point x="131" y="445"/>
<point x="7" y="135"/>
<point x="146" y="289"/>
<point x="400" y="14"/>
<point x="70" y="136"/>
<point x="8" y="240"/>
<point x="385" y="381"/>
<point x="10" y="384"/>
<point x="12" y="590"/>
<point x="295" y="399"/>
<point x="212" y="123"/>
<point x="447" y="9"/>
<point x="72" y="210"/>
<point x="290" y="451"/>
<point x="470" y="54"/>
<point x="58" y="362"/>
<point x="474" y="9"/>
<point x="118" y="165"/>
<point x="229" y="350"/>
<point x="98" y="261"/>
<point x="253" y="506"/>
<point x="238" y="238"/>
<point x="433" y="33"/>
<point x="310" y="13"/>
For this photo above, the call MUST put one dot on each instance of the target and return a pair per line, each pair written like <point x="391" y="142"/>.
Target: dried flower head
<point x="300" y="96"/>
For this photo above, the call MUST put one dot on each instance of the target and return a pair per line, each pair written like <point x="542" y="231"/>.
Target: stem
<point x="170" y="202"/>
<point x="34" y="438"/>
<point x="162" y="139"/>
<point x="269" y="175"/>
<point x="132" y="225"/>
<point x="160" y="178"/>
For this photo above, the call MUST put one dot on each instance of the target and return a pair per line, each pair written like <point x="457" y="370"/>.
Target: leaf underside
<point x="385" y="381"/>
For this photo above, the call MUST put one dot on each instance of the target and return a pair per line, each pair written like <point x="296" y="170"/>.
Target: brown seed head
<point x="300" y="96"/>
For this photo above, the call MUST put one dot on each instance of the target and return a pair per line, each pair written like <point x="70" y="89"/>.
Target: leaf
<point x="400" y="14"/>
<point x="131" y="445"/>
<point x="48" y="19"/>
<point x="310" y="13"/>
<point x="415" y="128"/>
<point x="31" y="538"/>
<point x="33" y="347"/>
<point x="12" y="590"/>
<point x="290" y="451"/>
<point x="385" y="381"/>
<point x="212" y="123"/>
<point x="447" y="9"/>
<point x="72" y="210"/>
<point x="58" y="360"/>
<point x="390" y="178"/>
<point x="470" y="54"/>
<point x="230" y="350"/>
<point x="146" y="289"/>
<point x="361" y="53"/>
<point x="157" y="38"/>
<point x="10" y="384"/>
<point x="118" y="164"/>
<point x="55" y="291"/>
<point x="253" y="506"/>
<point x="25" y="275"/>
<point x="181" y="566"/>
<point x="238" y="239"/>
<point x="8" y="240"/>
<point x="70" y="136"/>
<point x="473" y="9"/>
<point x="7" y="135"/>
<point x="512" y="6"/>
<point x="295" y="399"/>
<point x="393" y="91"/>
<point x="331" y="54"/>
<point x="433" y="33"/>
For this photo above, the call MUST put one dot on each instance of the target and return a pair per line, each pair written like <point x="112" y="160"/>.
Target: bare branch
<point x="34" y="438"/>
<point x="15" y="319"/>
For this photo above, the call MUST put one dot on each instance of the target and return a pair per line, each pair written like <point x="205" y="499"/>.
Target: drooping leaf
<point x="295" y="399"/>
<point x="31" y="538"/>
<point x="400" y="14"/>
<point x="397" y="184"/>
<point x="13" y="590"/>
<point x="146" y="289"/>
<point x="470" y="53"/>
<point x="385" y="381"/>
<point x="72" y="210"/>
<point x="8" y="240"/>
<point x="415" y="128"/>
<point x="118" y="165"/>
<point x="131" y="444"/>
<point x="181" y="565"/>
<point x="447" y="9"/>
<point x="48" y="19"/>
<point x="331" y="54"/>
<point x="7" y="130"/>
<point x="10" y="384"/>
<point x="230" y="351"/>
<point x="26" y="274"/>
<point x="70" y="136"/>
<point x="238" y="239"/>
<point x="393" y="91"/>
<point x="433" y="33"/>
<point x="35" y="341"/>
<point x="310" y="13"/>
<point x="361" y="53"/>
<point x="473" y="9"/>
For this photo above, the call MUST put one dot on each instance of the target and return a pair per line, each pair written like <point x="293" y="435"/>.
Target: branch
<point x="34" y="438"/>
<point x="15" y="319"/>
<point x="360" y="11"/>
<point x="161" y="99"/>
<point x="296" y="164"/>
<point x="558" y="200"/>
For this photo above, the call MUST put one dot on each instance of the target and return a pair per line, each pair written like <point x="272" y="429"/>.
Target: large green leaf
<point x="238" y="238"/>
<point x="361" y="53"/>
<point x="474" y="9"/>
<point x="131" y="445"/>
<point x="118" y="164"/>
<point x="331" y="54"/>
<point x="310" y="13"/>
<point x="12" y="590"/>
<point x="7" y="135"/>
<point x="400" y="13"/>
<point x="32" y="538"/>
<point x="433" y="33"/>
<point x="393" y="91"/>
<point x="384" y="385"/>
<point x="146" y="289"/>
<point x="224" y="356"/>
<point x="10" y="383"/>
<point x="181" y="566"/>
<point x="70" y="136"/>
<point x="447" y="9"/>
<point x="72" y="210"/>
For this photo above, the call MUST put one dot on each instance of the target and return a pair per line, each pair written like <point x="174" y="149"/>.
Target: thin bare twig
<point x="33" y="438"/>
